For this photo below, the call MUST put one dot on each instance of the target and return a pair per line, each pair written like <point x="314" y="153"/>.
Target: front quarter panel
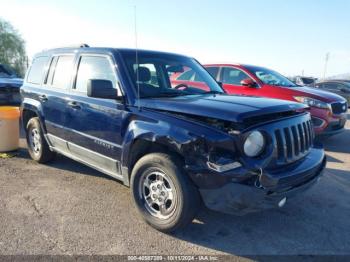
<point x="190" y="139"/>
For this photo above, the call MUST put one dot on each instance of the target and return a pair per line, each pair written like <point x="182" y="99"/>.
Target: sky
<point x="289" y="36"/>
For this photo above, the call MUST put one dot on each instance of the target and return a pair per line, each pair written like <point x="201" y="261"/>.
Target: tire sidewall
<point x="34" y="123"/>
<point x="145" y="165"/>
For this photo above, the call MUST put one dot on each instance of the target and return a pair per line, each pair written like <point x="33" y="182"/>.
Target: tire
<point x="38" y="148"/>
<point x="180" y="200"/>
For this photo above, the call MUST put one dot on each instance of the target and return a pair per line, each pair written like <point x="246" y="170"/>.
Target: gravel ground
<point x="67" y="208"/>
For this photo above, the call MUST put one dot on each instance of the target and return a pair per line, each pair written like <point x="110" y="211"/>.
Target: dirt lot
<point x="67" y="208"/>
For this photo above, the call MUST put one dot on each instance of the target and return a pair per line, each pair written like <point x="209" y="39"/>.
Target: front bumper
<point x="10" y="98"/>
<point x="326" y="123"/>
<point x="334" y="127"/>
<point x="240" y="198"/>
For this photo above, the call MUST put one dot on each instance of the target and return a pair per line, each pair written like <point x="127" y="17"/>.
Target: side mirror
<point x="99" y="88"/>
<point x="248" y="82"/>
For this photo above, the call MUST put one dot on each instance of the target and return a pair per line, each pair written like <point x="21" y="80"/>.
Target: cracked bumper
<point x="240" y="199"/>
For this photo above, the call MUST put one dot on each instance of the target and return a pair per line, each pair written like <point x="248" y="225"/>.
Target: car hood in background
<point x="224" y="107"/>
<point x="11" y="82"/>
<point x="324" y="96"/>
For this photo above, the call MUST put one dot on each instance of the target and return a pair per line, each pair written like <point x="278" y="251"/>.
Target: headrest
<point x="144" y="74"/>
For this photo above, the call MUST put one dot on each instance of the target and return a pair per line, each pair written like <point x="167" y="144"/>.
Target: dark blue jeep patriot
<point x="117" y="111"/>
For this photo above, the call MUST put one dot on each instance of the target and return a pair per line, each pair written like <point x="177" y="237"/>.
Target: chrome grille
<point x="294" y="142"/>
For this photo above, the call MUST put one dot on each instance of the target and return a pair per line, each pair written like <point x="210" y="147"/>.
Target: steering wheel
<point x="181" y="85"/>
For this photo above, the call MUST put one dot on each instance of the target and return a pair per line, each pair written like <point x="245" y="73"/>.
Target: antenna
<point x="325" y="65"/>
<point x="137" y="61"/>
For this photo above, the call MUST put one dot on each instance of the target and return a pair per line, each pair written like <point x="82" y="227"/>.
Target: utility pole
<point x="325" y="66"/>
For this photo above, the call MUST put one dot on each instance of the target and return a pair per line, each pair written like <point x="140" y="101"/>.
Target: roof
<point x="102" y="49"/>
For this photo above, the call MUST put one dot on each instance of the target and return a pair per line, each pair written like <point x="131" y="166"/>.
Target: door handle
<point x="74" y="105"/>
<point x="43" y="98"/>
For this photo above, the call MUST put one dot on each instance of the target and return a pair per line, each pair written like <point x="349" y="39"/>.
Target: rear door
<point x="94" y="124"/>
<point x="54" y="100"/>
<point x="50" y="78"/>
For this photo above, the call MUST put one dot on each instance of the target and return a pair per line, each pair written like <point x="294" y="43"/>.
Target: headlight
<point x="254" y="144"/>
<point x="312" y="102"/>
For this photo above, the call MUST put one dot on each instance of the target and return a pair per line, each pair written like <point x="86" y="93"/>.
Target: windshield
<point x="6" y="72"/>
<point x="270" y="77"/>
<point x="155" y="75"/>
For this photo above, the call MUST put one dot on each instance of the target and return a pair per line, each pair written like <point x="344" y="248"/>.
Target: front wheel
<point x="164" y="195"/>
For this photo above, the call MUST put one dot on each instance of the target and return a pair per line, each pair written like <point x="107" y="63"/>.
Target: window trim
<point x="52" y="58"/>
<point x="112" y="64"/>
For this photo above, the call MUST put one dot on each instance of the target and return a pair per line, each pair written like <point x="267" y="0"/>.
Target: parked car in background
<point x="175" y="146"/>
<point x="340" y="87"/>
<point x="303" y="80"/>
<point x="9" y="86"/>
<point x="328" y="110"/>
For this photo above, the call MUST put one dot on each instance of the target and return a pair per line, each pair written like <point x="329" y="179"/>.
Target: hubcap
<point x="159" y="194"/>
<point x="35" y="140"/>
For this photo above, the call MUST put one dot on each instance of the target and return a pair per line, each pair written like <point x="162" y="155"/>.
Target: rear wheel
<point x="38" y="148"/>
<point x="163" y="194"/>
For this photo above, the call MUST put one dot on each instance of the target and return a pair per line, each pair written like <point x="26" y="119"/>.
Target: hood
<point x="224" y="107"/>
<point x="321" y="95"/>
<point x="11" y="82"/>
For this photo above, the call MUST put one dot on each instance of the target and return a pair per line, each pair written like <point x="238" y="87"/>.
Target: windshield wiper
<point x="169" y="94"/>
<point x="214" y="92"/>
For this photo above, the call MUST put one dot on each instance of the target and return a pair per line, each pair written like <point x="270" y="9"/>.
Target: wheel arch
<point x="31" y="108"/>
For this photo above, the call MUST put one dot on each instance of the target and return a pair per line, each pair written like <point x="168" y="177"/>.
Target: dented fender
<point x="188" y="138"/>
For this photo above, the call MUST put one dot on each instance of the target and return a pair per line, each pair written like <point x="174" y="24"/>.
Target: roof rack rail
<point x="74" y="46"/>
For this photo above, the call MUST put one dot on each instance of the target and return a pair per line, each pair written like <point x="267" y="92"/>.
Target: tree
<point x="12" y="48"/>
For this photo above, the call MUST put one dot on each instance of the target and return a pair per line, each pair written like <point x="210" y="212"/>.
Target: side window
<point x="94" y="67"/>
<point x="213" y="70"/>
<point x="233" y="76"/>
<point x="187" y="76"/>
<point x="37" y="69"/>
<point x="63" y="72"/>
<point x="341" y="86"/>
<point x="332" y="86"/>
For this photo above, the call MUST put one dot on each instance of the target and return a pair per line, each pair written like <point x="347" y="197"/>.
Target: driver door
<point x="231" y="79"/>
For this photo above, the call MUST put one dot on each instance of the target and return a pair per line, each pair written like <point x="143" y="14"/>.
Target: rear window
<point x="37" y="69"/>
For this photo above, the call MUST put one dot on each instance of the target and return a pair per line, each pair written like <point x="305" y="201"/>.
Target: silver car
<point x="340" y="87"/>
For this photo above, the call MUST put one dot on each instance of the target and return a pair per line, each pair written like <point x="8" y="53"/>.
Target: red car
<point x="328" y="110"/>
